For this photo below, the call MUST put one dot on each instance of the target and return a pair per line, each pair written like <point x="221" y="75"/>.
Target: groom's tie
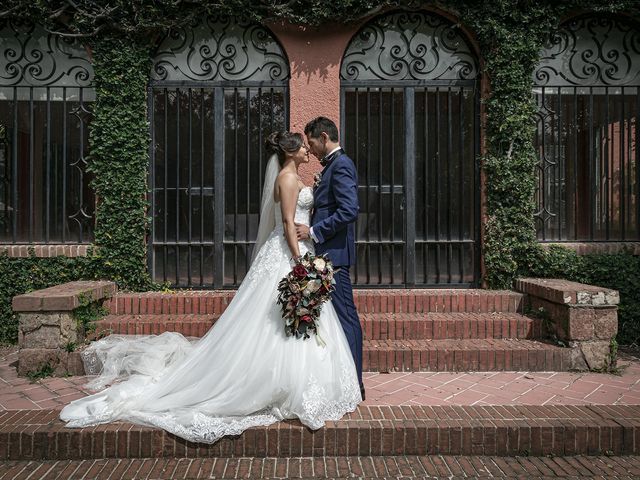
<point x="329" y="158"/>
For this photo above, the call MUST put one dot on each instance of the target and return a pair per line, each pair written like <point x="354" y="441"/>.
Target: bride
<point x="245" y="371"/>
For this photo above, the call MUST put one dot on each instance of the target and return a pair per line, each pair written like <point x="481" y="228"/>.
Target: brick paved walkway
<point x="400" y="388"/>
<point x="412" y="390"/>
<point x="329" y="467"/>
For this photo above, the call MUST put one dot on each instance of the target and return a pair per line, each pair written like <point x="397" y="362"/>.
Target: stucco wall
<point x="314" y="89"/>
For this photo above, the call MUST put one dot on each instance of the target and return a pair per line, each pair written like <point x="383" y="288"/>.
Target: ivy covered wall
<point x="121" y="34"/>
<point x="119" y="146"/>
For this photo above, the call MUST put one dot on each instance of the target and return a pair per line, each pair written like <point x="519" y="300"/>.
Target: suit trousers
<point x="342" y="299"/>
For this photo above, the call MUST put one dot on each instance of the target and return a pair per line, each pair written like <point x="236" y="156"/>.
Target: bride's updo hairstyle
<point x="282" y="142"/>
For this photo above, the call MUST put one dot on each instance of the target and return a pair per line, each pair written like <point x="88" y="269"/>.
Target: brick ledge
<point x="63" y="297"/>
<point x="385" y="430"/>
<point x="47" y="251"/>
<point x="396" y="466"/>
<point x="586" y="248"/>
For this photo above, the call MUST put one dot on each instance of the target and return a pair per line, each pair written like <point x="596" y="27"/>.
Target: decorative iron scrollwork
<point x="409" y="46"/>
<point x="29" y="56"/>
<point x="591" y="51"/>
<point x="217" y="49"/>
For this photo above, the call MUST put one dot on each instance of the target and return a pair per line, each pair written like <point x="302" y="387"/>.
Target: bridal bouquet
<point x="302" y="293"/>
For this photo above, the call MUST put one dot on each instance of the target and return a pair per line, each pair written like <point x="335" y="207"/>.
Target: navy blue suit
<point x="334" y="214"/>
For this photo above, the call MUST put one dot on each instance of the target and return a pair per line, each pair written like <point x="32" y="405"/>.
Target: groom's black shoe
<point x="362" y="392"/>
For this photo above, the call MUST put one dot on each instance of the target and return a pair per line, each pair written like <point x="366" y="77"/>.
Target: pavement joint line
<point x="478" y="401"/>
<point x="598" y="388"/>
<point x="546" y="402"/>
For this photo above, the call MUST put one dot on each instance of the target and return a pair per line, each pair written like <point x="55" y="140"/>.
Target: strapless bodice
<point x="303" y="208"/>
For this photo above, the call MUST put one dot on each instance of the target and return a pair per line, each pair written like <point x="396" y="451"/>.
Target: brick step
<point x="475" y="355"/>
<point x="187" y="325"/>
<point x="404" y="466"/>
<point x="440" y="326"/>
<point x="370" y="431"/>
<point x="367" y="301"/>
<point x="415" y="353"/>
<point x="376" y="326"/>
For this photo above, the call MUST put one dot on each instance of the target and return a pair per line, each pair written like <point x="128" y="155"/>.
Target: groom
<point x="333" y="224"/>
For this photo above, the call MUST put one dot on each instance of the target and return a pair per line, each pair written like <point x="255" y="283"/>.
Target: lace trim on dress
<point x="208" y="429"/>
<point x="316" y="408"/>
<point x="316" y="411"/>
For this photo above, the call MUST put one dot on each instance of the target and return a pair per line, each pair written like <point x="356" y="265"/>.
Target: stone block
<point x="567" y="322"/>
<point x="75" y="366"/>
<point x="605" y="323"/>
<point x="62" y="362"/>
<point x="44" y="337"/>
<point x="579" y="322"/>
<point x="47" y="330"/>
<point x="596" y="353"/>
<point x="566" y="292"/>
<point x="577" y="360"/>
<point x="35" y="359"/>
<point x="47" y="325"/>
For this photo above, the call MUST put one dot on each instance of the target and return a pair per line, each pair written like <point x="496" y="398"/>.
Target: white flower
<point x="317" y="178"/>
<point x="313" y="286"/>
<point x="320" y="264"/>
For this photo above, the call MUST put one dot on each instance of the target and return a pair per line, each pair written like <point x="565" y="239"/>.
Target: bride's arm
<point x="288" y="186"/>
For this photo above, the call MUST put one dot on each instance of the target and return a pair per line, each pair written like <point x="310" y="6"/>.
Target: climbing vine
<point x="119" y="160"/>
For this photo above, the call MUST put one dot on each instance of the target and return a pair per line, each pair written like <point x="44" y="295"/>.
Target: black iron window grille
<point x="587" y="88"/>
<point x="410" y="110"/>
<point x="218" y="88"/>
<point x="46" y="98"/>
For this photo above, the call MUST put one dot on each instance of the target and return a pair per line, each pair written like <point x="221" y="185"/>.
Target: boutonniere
<point x="317" y="178"/>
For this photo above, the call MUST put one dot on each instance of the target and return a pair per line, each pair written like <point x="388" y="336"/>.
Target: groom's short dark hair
<point x="322" y="124"/>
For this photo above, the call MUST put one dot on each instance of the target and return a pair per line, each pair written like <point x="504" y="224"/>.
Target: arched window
<point x="587" y="89"/>
<point x="46" y="98"/>
<point x="410" y="103"/>
<point x="218" y="88"/>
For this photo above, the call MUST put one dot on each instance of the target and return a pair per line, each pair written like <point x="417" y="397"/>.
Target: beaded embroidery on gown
<point x="244" y="372"/>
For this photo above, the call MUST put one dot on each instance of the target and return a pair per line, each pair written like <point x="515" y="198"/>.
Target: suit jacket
<point x="336" y="210"/>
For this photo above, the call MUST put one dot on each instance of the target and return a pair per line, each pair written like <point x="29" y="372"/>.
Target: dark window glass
<point x="210" y="116"/>
<point x="251" y="114"/>
<point x="46" y="100"/>
<point x="587" y="135"/>
<point x="410" y="124"/>
<point x="375" y="122"/>
<point x="445" y="184"/>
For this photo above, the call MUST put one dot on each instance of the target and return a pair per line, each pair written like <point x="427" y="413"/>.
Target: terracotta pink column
<point x="314" y="89"/>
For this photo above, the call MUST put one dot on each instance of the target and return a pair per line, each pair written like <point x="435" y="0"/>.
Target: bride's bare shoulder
<point x="285" y="182"/>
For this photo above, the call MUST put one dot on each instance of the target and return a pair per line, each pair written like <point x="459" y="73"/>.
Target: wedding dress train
<point x="244" y="372"/>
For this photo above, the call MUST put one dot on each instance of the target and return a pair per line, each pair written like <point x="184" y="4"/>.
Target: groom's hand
<point x="302" y="231"/>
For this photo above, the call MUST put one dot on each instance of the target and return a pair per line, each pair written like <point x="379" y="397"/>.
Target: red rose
<point x="322" y="290"/>
<point x="305" y="318"/>
<point x="299" y="271"/>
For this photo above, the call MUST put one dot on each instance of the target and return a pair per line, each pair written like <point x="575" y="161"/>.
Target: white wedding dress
<point x="244" y="372"/>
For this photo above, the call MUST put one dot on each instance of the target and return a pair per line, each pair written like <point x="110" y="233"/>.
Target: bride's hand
<point x="293" y="261"/>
